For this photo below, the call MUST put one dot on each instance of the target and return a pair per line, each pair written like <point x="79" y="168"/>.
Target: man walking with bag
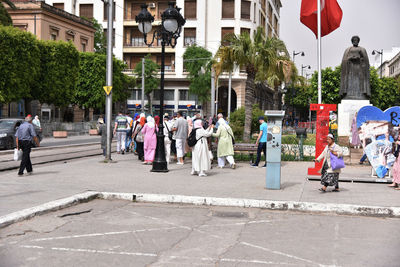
<point x="24" y="136"/>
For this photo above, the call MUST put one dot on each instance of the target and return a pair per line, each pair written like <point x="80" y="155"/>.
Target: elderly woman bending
<point x="329" y="177"/>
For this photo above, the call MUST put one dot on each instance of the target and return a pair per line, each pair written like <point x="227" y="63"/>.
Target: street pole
<point x="229" y="94"/>
<point x="319" y="53"/>
<point x="143" y="71"/>
<point x="216" y="96"/>
<point x="160" y="163"/>
<point x="212" y="92"/>
<point x="381" y="61"/>
<point x="109" y="77"/>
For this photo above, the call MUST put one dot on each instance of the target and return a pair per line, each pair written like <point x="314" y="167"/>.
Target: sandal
<point x="322" y="190"/>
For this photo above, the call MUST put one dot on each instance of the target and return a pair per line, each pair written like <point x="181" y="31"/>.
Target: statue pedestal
<point x="346" y="111"/>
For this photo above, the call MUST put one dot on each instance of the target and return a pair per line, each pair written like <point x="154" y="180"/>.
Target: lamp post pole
<point x="303" y="67"/>
<point x="380" y="53"/>
<point x="168" y="33"/>
<point x="297" y="53"/>
<point x="143" y="70"/>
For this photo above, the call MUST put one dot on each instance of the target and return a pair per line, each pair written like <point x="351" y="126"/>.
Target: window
<point x="168" y="62"/>
<point x="189" y="36"/>
<point x="136" y="94"/>
<point x="59" y="5"/>
<point x="86" y="11"/>
<point x="190" y="9"/>
<point x="169" y="95"/>
<point x="54" y="33"/>
<point x="136" y="37"/>
<point x="70" y="35"/>
<point x="183" y="95"/>
<point x="245" y="9"/>
<point x="228" y="9"/>
<point x="134" y="60"/>
<point x="105" y="11"/>
<point x="225" y="31"/>
<point x="243" y="30"/>
<point x="84" y="43"/>
<point x="162" y="6"/>
<point x="113" y="36"/>
<point x="135" y="10"/>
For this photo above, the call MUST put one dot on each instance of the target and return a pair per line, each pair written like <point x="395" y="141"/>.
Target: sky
<point x="376" y="22"/>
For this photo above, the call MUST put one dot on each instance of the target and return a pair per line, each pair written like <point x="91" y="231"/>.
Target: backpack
<point x="191" y="140"/>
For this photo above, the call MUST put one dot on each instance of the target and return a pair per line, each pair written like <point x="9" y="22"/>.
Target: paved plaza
<point x="121" y="233"/>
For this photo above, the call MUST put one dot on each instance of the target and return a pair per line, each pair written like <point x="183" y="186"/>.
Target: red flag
<point x="331" y="15"/>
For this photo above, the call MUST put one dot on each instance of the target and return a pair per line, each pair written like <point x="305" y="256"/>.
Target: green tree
<point x="99" y="38"/>
<point x="330" y="86"/>
<point x="384" y="91"/>
<point x="264" y="59"/>
<point x="151" y="82"/>
<point x="5" y="18"/>
<point x="238" y="118"/>
<point x="19" y="63"/>
<point x="197" y="63"/>
<point x="89" y="92"/>
<point x="58" y="73"/>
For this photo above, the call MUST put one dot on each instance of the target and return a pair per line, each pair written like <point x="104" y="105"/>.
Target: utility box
<point x="273" y="175"/>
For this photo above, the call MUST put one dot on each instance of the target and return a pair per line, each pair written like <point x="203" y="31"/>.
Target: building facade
<point x="50" y="23"/>
<point x="207" y="21"/>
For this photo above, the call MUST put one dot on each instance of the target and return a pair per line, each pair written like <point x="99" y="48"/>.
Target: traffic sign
<point x="107" y="89"/>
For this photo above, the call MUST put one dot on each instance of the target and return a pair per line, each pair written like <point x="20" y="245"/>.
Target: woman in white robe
<point x="200" y="155"/>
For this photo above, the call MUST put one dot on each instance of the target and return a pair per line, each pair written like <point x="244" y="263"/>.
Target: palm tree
<point x="264" y="59"/>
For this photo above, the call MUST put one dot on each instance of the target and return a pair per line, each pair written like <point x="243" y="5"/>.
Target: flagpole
<point x="319" y="52"/>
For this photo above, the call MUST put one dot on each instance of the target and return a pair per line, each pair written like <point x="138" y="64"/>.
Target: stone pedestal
<point x="346" y="111"/>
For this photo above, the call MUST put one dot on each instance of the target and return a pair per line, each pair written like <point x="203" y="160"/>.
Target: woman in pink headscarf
<point x="200" y="155"/>
<point x="150" y="140"/>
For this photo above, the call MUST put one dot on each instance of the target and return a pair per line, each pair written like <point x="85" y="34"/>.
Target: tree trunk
<point x="248" y="105"/>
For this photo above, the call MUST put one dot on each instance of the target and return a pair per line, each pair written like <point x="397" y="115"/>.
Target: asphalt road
<point x="119" y="233"/>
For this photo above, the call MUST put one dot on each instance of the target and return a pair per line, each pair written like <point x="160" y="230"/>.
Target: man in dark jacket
<point x="24" y="136"/>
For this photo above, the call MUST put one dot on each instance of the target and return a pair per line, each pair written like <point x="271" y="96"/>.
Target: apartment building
<point x="207" y="21"/>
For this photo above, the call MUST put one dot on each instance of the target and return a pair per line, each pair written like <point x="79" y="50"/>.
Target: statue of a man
<point x="354" y="82"/>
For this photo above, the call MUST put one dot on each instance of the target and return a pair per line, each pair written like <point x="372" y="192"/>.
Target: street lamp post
<point x="301" y="53"/>
<point x="380" y="53"/>
<point x="303" y="67"/>
<point x="168" y="33"/>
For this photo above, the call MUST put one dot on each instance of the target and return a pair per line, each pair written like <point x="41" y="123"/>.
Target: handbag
<point x="169" y="132"/>
<point x="17" y="154"/>
<point x="336" y="162"/>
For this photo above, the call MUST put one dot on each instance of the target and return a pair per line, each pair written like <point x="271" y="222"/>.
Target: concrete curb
<point x="47" y="207"/>
<point x="340" y="209"/>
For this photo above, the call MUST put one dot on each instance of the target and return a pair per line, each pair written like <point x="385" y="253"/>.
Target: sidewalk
<point x="60" y="180"/>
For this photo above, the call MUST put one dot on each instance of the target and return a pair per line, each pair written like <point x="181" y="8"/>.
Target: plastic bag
<point x="17" y="154"/>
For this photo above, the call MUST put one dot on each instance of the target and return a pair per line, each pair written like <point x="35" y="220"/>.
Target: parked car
<point x="8" y="128"/>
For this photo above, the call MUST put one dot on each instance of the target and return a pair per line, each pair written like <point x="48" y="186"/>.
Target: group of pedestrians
<point x="181" y="135"/>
